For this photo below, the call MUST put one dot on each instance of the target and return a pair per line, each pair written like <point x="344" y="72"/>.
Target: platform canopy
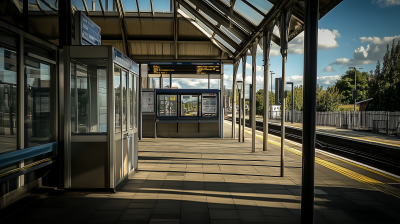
<point x="155" y="30"/>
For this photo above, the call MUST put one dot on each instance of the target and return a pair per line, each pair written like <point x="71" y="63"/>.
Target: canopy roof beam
<point x="121" y="16"/>
<point x="207" y="9"/>
<point x="210" y="25"/>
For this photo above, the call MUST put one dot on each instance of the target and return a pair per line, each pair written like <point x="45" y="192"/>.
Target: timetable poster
<point x="148" y="102"/>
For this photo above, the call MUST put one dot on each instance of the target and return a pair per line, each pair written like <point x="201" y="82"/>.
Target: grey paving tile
<point x="223" y="214"/>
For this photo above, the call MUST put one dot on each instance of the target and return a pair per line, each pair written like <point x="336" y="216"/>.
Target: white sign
<point x="148" y="102"/>
<point x="209" y="103"/>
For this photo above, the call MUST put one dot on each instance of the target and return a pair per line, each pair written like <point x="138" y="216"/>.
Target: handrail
<point x="19" y="155"/>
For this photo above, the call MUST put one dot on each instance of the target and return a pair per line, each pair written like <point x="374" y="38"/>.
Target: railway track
<point x="382" y="156"/>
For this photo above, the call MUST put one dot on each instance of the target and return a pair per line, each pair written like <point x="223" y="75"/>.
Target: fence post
<point x="387" y="123"/>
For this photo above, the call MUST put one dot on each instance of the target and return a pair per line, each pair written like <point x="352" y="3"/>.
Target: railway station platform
<point x="220" y="181"/>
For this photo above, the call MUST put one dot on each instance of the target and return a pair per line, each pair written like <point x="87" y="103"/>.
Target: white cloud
<point x="326" y="41"/>
<point x="258" y="68"/>
<point x="329" y="69"/>
<point x="327" y="80"/>
<point x="365" y="55"/>
<point x="386" y="3"/>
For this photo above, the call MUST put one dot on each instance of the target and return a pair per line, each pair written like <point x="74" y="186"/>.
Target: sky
<point x="354" y="33"/>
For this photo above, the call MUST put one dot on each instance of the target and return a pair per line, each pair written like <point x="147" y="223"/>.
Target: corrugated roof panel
<point x="198" y="49"/>
<point x="149" y="29"/>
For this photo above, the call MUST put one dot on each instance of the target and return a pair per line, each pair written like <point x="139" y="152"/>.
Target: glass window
<point x="78" y="4"/>
<point x="124" y="101"/>
<point x="144" y="5"/>
<point x="209" y="106"/>
<point x="38" y="50"/>
<point x="166" y="105"/>
<point x="248" y="12"/>
<point x="8" y="39"/>
<point x="88" y="96"/>
<point x="93" y="5"/>
<point x="135" y="105"/>
<point x="263" y="6"/>
<point x="189" y="105"/>
<point x="117" y="96"/>
<point x="166" y="83"/>
<point x="8" y="100"/>
<point x="223" y="42"/>
<point x="129" y="5"/>
<point x="162" y="6"/>
<point x="39" y="112"/>
<point x="131" y="100"/>
<point x="154" y="83"/>
<point x="109" y="5"/>
<point x="230" y="34"/>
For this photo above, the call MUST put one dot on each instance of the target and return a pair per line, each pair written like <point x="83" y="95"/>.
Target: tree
<point x="385" y="84"/>
<point x="329" y="99"/>
<point x="345" y="85"/>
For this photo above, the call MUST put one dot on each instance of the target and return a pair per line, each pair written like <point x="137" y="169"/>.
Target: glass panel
<point x="131" y="100"/>
<point x="78" y="4"/>
<point x="154" y="83"/>
<point x="208" y="17"/>
<point x="117" y="96"/>
<point x="109" y="5"/>
<point x="129" y="5"/>
<point x="88" y="96"/>
<point x="124" y="101"/>
<point x="209" y="106"/>
<point x="215" y="84"/>
<point x="248" y="12"/>
<point x="204" y="26"/>
<point x="189" y="105"/>
<point x="166" y="105"/>
<point x="187" y="83"/>
<point x="8" y="100"/>
<point x="231" y="35"/>
<point x="263" y="6"/>
<point x="93" y="5"/>
<point x="144" y="5"/>
<point x="135" y="105"/>
<point x="166" y="84"/>
<point x="39" y="112"/>
<point x="162" y="6"/>
<point x="39" y="50"/>
<point x="223" y="42"/>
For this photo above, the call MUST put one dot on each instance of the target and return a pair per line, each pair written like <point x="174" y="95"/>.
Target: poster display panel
<point x="148" y="102"/>
<point x="209" y="105"/>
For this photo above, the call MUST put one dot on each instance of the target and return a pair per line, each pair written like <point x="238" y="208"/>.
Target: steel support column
<point x="65" y="23"/>
<point x="244" y="94"/>
<point x="284" y="30"/>
<point x="309" y="110"/>
<point x="253" y="98"/>
<point x="235" y="68"/>
<point x="266" y="50"/>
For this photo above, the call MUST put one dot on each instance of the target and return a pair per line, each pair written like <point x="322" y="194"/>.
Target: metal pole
<point x="309" y="109"/>
<point x="244" y="94"/>
<point x="266" y="49"/>
<point x="253" y="97"/>
<point x="240" y="118"/>
<point x="284" y="27"/>
<point x="292" y="102"/>
<point x="271" y="91"/>
<point x="355" y="87"/>
<point x="235" y="68"/>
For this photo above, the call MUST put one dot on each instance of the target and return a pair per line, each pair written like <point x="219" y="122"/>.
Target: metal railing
<point x="380" y="121"/>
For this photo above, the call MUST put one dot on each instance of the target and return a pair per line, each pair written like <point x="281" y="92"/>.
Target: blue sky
<point x="355" y="33"/>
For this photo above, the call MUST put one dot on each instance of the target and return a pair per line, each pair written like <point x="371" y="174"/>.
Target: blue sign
<point x="125" y="61"/>
<point x="184" y="63"/>
<point x="90" y="31"/>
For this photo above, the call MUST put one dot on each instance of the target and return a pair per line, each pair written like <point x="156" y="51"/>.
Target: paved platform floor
<point x="221" y="181"/>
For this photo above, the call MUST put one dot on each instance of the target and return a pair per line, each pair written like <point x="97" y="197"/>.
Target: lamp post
<point x="355" y="93"/>
<point x="272" y="73"/>
<point x="291" y="83"/>
<point x="239" y="87"/>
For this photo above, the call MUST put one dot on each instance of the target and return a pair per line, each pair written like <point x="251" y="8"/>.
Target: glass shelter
<point x="101" y="125"/>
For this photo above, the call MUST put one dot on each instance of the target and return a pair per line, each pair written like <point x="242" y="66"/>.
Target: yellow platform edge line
<point x="383" y="187"/>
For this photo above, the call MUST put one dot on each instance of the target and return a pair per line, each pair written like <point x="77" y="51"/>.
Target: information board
<point x="209" y="104"/>
<point x="184" y="68"/>
<point x="90" y="31"/>
<point x="125" y="61"/>
<point x="148" y="102"/>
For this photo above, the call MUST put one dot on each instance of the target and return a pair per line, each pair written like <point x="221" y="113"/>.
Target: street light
<point x="239" y="87"/>
<point x="355" y="93"/>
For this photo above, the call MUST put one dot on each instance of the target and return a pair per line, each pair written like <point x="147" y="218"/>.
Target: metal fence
<point x="377" y="121"/>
